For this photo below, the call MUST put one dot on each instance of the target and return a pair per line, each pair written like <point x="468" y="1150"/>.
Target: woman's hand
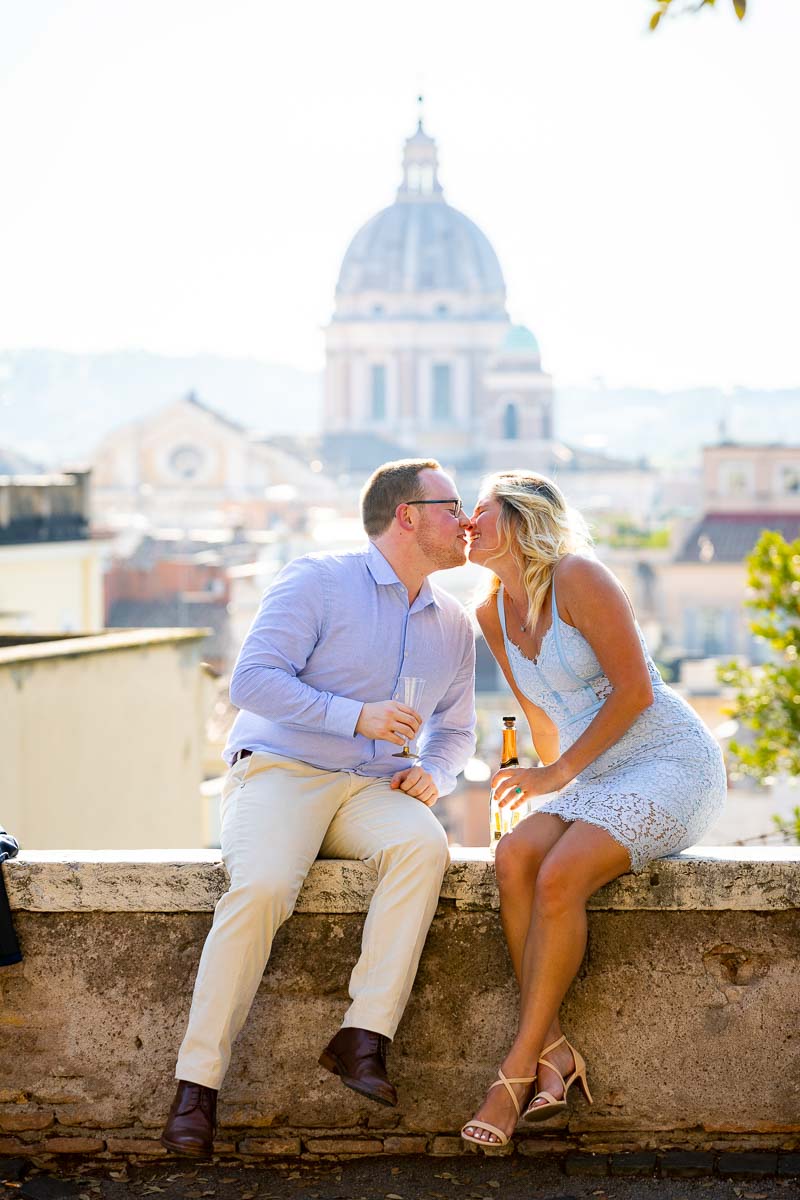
<point x="512" y="786"/>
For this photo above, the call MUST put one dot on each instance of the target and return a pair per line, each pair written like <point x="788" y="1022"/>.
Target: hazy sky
<point x="185" y="177"/>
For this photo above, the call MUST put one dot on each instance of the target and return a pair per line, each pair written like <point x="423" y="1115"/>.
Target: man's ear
<point x="403" y="516"/>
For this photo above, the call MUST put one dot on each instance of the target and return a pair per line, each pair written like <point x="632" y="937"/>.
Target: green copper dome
<point x="520" y="338"/>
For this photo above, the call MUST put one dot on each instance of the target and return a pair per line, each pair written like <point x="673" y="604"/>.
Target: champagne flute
<point x="409" y="691"/>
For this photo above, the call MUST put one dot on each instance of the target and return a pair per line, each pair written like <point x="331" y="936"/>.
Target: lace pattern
<point x="660" y="786"/>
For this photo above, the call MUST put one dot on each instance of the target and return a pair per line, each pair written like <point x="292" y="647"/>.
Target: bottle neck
<point x="508" y="757"/>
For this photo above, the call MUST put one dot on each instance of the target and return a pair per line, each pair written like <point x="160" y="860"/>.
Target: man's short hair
<point x="390" y="485"/>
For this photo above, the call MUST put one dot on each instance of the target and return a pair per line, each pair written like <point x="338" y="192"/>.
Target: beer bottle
<point x="502" y="820"/>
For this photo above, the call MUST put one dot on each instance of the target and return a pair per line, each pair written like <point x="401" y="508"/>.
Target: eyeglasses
<point x="456" y="507"/>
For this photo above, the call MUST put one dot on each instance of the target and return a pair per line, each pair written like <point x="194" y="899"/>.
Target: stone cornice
<point x="764" y="879"/>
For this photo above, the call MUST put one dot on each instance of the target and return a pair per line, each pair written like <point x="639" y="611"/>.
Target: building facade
<point x="421" y="349"/>
<point x="50" y="568"/>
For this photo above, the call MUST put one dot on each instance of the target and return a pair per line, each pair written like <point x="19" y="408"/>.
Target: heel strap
<point x="506" y="1081"/>
<point x="552" y="1067"/>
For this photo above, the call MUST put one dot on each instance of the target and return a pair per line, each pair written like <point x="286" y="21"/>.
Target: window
<point x="420" y="178"/>
<point x="789" y="479"/>
<point x="709" y="630"/>
<point x="511" y="423"/>
<point x="442" y="388"/>
<point x="186" y="461"/>
<point x="736" y="478"/>
<point x="378" y="406"/>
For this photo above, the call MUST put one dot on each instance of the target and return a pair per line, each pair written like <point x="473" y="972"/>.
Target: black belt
<point x="240" y="754"/>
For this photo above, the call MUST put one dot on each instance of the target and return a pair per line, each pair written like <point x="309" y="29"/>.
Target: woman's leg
<point x="518" y="857"/>
<point x="580" y="862"/>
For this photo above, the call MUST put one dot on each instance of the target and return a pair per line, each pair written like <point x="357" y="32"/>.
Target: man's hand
<point x="417" y="782"/>
<point x="388" y="721"/>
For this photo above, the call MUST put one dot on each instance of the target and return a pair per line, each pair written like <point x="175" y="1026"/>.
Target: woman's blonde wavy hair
<point x="538" y="527"/>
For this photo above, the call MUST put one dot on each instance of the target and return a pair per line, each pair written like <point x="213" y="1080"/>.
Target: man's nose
<point x="464" y="519"/>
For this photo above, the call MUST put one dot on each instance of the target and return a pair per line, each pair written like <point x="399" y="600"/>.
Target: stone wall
<point x="687" y="1009"/>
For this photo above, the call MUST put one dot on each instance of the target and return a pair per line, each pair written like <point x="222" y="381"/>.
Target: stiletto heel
<point x="542" y="1112"/>
<point x="501" y="1081"/>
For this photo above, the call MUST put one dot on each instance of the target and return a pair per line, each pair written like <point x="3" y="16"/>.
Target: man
<point x="313" y="773"/>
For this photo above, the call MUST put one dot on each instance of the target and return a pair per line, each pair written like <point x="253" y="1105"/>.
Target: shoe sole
<point x="543" y="1112"/>
<point x="185" y="1151"/>
<point x="330" y="1064"/>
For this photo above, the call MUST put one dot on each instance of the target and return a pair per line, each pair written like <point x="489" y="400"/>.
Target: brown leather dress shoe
<point x="192" y="1120"/>
<point x="358" y="1057"/>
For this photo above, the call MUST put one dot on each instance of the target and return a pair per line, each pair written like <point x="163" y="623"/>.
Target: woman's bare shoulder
<point x="486" y="612"/>
<point x="577" y="571"/>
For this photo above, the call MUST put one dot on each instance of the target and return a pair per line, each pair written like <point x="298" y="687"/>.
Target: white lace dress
<point x="660" y="786"/>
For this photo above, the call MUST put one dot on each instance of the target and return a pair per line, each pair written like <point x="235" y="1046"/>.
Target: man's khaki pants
<point x="278" y="815"/>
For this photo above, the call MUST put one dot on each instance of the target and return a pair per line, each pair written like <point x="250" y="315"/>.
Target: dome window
<point x="511" y="423"/>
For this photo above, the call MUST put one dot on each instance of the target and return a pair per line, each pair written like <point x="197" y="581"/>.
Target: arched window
<point x="511" y="423"/>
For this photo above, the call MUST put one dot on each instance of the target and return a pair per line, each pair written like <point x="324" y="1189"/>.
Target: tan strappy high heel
<point x="506" y="1082"/>
<point x="541" y="1112"/>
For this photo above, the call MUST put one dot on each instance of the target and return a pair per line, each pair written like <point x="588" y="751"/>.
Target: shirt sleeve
<point x="448" y="736"/>
<point x="280" y="641"/>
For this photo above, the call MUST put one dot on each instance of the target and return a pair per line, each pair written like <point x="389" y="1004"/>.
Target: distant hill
<point x="668" y="428"/>
<point x="55" y="407"/>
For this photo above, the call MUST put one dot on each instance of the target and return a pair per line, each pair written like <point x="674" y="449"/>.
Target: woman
<point x="633" y="771"/>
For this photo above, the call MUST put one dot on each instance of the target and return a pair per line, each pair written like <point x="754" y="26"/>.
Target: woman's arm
<point x="591" y="599"/>
<point x="543" y="731"/>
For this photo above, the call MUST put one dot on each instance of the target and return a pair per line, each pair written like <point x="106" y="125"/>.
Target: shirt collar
<point x="384" y="573"/>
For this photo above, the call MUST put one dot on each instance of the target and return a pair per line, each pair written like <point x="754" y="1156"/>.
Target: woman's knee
<point x="516" y="861"/>
<point x="556" y="886"/>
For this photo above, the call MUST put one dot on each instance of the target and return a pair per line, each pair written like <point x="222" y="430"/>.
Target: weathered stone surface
<point x="686" y="1164"/>
<point x="664" y="995"/>
<point x="714" y="878"/>
<point x="13" y="1146"/>
<point x="11" y="1122"/>
<point x="344" y="1145"/>
<point x="73" y="1145"/>
<point x="405" y="1145"/>
<point x="747" y="1166"/>
<point x="144" y="1146"/>
<point x="447" y="1145"/>
<point x="273" y="1147"/>
<point x="639" y="1163"/>
<point x="788" y="1165"/>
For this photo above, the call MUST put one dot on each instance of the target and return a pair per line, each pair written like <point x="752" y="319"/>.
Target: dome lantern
<point x="420" y="168"/>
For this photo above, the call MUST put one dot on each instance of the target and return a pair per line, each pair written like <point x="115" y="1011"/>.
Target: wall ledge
<point x="703" y="878"/>
<point x="80" y="645"/>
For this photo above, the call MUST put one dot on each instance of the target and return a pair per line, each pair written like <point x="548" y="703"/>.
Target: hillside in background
<point x="55" y="407"/>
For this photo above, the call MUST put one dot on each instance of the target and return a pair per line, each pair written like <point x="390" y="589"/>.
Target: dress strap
<point x="501" y="611"/>
<point x="555" y="617"/>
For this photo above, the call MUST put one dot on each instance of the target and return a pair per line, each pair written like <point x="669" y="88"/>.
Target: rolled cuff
<point x="342" y="716"/>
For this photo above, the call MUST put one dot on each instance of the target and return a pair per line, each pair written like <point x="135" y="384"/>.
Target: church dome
<point x="421" y="245"/>
<point x="519" y="339"/>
